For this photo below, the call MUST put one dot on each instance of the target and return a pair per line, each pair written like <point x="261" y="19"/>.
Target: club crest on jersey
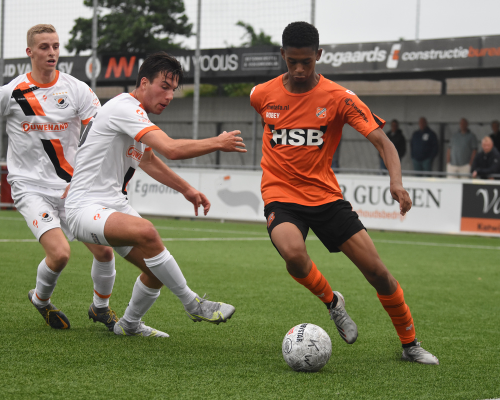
<point x="298" y="137"/>
<point x="321" y="112"/>
<point x="46" y="217"/>
<point x="61" y="101"/>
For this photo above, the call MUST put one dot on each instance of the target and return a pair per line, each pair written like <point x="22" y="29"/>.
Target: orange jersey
<point x="301" y="133"/>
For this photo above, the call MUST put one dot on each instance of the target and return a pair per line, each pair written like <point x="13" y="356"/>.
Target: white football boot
<point x="345" y="325"/>
<point x="418" y="354"/>
<point x="140" y="329"/>
<point x="201" y="309"/>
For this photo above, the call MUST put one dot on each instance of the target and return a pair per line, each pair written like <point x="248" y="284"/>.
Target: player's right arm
<point x="159" y="171"/>
<point x="180" y="149"/>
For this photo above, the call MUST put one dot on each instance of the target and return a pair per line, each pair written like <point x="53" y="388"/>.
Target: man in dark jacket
<point x="487" y="161"/>
<point x="396" y="137"/>
<point x="495" y="134"/>
<point x="424" y="147"/>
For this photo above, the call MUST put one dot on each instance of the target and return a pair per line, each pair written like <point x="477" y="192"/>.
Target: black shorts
<point x="333" y="223"/>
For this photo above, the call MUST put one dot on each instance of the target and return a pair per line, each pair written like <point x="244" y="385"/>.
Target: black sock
<point x="411" y="344"/>
<point x="333" y="303"/>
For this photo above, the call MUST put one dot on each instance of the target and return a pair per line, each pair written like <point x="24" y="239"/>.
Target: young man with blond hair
<point x="45" y="109"/>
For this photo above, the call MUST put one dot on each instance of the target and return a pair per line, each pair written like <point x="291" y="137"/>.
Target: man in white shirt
<point x="44" y="110"/>
<point x="117" y="141"/>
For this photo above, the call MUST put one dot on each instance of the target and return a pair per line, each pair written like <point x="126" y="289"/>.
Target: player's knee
<point x="379" y="276"/>
<point x="103" y="254"/>
<point x="59" y="258"/>
<point x="149" y="236"/>
<point x="295" y="258"/>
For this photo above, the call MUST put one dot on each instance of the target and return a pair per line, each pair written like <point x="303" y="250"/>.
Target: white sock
<point x="103" y="274"/>
<point x="142" y="300"/>
<point x="165" y="268"/>
<point x="46" y="280"/>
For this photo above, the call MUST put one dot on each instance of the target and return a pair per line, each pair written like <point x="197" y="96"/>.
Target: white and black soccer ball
<point x="306" y="348"/>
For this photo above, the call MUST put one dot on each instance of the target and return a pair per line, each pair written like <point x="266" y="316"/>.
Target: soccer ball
<point x="306" y="348"/>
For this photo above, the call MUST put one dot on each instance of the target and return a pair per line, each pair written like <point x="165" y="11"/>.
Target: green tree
<point x="133" y="26"/>
<point x="255" y="39"/>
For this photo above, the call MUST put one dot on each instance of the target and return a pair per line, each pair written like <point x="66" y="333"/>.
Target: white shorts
<point x="87" y="224"/>
<point x="43" y="209"/>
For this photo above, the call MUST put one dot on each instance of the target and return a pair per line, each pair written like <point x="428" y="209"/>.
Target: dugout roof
<point x="424" y="59"/>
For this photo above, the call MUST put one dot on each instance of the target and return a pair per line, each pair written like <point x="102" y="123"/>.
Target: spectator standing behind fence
<point x="461" y="151"/>
<point x="486" y="162"/>
<point x="396" y="137"/>
<point x="495" y="135"/>
<point x="424" y="147"/>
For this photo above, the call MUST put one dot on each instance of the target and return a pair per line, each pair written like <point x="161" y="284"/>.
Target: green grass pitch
<point x="452" y="285"/>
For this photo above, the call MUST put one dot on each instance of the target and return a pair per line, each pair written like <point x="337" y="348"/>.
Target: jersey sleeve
<point x="358" y="115"/>
<point x="131" y="120"/>
<point x="89" y="103"/>
<point x="5" y="94"/>
<point x="256" y="98"/>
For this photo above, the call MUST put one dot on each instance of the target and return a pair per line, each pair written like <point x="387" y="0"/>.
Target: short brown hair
<point x="159" y="62"/>
<point x="37" y="29"/>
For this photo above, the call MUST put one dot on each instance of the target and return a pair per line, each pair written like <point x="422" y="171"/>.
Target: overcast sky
<point x="337" y="21"/>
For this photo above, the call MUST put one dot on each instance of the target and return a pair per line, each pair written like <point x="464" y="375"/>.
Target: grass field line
<point x="12" y="219"/>
<point x="173" y="228"/>
<point x="249" y="239"/>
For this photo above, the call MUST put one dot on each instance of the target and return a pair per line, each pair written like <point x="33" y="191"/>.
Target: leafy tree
<point x="255" y="39"/>
<point x="133" y="26"/>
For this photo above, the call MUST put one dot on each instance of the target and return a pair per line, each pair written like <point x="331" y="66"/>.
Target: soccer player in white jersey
<point x="44" y="110"/>
<point x="117" y="140"/>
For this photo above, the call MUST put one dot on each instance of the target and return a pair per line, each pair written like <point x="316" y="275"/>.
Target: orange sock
<point x="317" y="284"/>
<point x="400" y="315"/>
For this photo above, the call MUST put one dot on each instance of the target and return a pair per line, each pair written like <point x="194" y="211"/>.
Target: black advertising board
<point x="430" y="59"/>
<point x="480" y="208"/>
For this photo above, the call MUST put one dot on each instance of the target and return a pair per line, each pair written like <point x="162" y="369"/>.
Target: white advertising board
<point x="235" y="195"/>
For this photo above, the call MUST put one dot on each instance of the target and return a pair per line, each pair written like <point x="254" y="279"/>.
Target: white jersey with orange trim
<point x="43" y="127"/>
<point x="110" y="151"/>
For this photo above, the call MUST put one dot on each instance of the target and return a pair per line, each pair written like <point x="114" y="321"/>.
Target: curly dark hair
<point x="300" y="34"/>
<point x="159" y="62"/>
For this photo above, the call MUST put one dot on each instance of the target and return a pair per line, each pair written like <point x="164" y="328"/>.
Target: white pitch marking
<point x="172" y="228"/>
<point x="460" y="246"/>
<point x="12" y="219"/>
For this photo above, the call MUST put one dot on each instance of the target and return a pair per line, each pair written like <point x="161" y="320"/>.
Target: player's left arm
<point x="159" y="171"/>
<point x="391" y="160"/>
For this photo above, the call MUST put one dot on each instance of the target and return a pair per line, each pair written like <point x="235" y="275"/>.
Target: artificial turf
<point x="453" y="293"/>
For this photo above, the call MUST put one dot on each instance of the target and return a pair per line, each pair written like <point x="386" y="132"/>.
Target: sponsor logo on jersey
<point x="46" y="217"/>
<point x="277" y="107"/>
<point x="272" y="115"/>
<point x="56" y="127"/>
<point x="351" y="103"/>
<point x="132" y="152"/>
<point x="143" y="116"/>
<point x="44" y="98"/>
<point x="61" y="101"/>
<point x="351" y="92"/>
<point x="298" y="137"/>
<point x="35" y="223"/>
<point x="321" y="112"/>
<point x="270" y="220"/>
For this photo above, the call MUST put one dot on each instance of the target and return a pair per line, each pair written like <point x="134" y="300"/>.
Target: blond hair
<point x="37" y="29"/>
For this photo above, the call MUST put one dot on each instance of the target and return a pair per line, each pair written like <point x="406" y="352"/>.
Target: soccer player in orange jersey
<point x="44" y="109"/>
<point x="303" y="114"/>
